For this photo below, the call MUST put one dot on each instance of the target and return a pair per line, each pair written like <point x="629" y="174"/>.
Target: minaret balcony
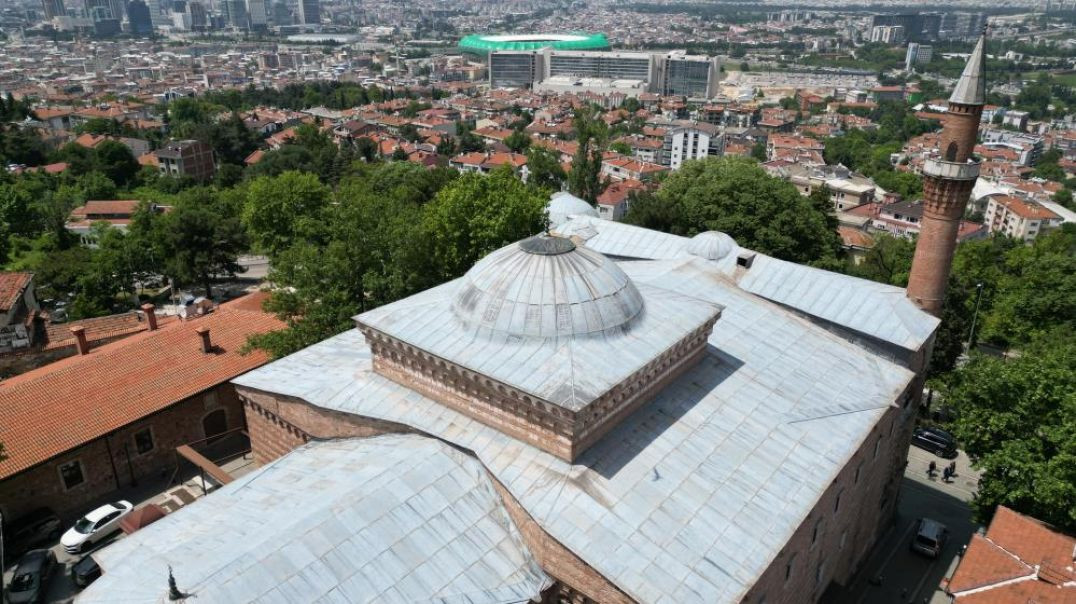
<point x="951" y="170"/>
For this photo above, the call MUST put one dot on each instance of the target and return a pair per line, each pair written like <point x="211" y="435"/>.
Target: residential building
<point x="116" y="213"/>
<point x="1029" y="147"/>
<point x="114" y="415"/>
<point x="187" y="158"/>
<point x="691" y="141"/>
<point x="18" y="309"/>
<point x="1016" y="561"/>
<point x="1015" y="217"/>
<point x="888" y="34"/>
<point x="615" y="201"/>
<point x="623" y="168"/>
<point x="846" y="188"/>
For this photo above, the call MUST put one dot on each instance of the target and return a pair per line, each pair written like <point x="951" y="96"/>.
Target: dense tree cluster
<point x="736" y="196"/>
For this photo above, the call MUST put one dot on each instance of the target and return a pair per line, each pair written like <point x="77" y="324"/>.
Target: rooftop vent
<point x="745" y="259"/>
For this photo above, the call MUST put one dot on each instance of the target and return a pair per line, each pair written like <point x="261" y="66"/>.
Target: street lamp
<point x="974" y="317"/>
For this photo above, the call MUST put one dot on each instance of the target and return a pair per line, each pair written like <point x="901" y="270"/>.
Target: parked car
<point x="95" y="526"/>
<point x="935" y="440"/>
<point x="85" y="571"/>
<point x="31" y="529"/>
<point x="31" y="578"/>
<point x="930" y="537"/>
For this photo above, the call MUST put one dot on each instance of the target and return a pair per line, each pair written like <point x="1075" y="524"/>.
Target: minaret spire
<point x="948" y="178"/>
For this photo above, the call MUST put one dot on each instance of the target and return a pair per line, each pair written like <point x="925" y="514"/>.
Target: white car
<point x="95" y="526"/>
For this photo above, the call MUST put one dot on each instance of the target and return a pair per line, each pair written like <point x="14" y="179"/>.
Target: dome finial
<point x="971" y="88"/>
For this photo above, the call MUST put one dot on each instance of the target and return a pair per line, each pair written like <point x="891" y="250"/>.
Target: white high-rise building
<point x="256" y="14"/>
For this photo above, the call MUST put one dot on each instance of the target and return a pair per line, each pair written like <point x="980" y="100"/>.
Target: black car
<point x="85" y="571"/>
<point x="31" y="578"/>
<point x="34" y="528"/>
<point x="935" y="440"/>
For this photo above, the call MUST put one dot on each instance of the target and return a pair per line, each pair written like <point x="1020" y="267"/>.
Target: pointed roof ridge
<point x="971" y="88"/>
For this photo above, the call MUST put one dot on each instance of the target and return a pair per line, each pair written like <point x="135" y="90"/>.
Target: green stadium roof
<point x="481" y="44"/>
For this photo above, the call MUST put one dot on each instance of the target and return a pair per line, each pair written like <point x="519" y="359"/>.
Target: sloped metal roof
<point x="874" y="309"/>
<point x="397" y="518"/>
<point x="971" y="87"/>
<point x="690" y="498"/>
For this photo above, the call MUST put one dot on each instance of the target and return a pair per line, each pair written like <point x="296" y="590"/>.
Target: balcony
<point x="939" y="168"/>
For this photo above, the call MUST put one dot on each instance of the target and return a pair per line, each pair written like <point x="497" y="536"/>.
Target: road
<point x="895" y="574"/>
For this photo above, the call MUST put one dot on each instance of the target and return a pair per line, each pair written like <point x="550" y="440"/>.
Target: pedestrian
<point x="952" y="468"/>
<point x="931" y="469"/>
<point x="946" y="473"/>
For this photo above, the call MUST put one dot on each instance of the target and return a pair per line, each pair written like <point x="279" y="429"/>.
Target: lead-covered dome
<point x="562" y="205"/>
<point x="712" y="245"/>
<point x="546" y="286"/>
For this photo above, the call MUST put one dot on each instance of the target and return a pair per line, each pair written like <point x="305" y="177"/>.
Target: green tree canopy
<point x="736" y="196"/>
<point x="1016" y="419"/>
<point x="200" y="240"/>
<point x="281" y="210"/>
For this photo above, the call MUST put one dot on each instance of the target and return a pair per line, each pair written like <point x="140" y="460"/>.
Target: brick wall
<point x="109" y="463"/>
<point x="279" y="424"/>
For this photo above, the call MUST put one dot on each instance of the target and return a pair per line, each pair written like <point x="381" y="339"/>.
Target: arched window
<point x="950" y="152"/>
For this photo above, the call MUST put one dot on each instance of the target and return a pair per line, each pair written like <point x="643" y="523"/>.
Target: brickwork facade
<point x="114" y="462"/>
<point x="944" y="200"/>
<point x="555" y="429"/>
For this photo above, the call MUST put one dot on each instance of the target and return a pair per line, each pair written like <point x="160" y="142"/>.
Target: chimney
<point x="151" y="316"/>
<point x="80" y="339"/>
<point x="207" y="344"/>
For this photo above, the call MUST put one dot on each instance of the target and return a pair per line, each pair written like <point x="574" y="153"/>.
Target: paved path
<point x="894" y="574"/>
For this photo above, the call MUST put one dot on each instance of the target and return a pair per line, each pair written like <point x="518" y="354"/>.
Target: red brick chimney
<point x="207" y="344"/>
<point x="151" y="316"/>
<point x="80" y="339"/>
<point x="947" y="182"/>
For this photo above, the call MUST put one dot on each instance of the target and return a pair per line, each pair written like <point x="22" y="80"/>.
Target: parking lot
<point x="61" y="588"/>
<point x="895" y="574"/>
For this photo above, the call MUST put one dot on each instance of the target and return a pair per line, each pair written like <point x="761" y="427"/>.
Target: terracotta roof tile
<point x="71" y="402"/>
<point x="985" y="563"/>
<point x="11" y="287"/>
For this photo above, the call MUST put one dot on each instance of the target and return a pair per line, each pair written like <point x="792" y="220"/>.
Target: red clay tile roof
<point x="854" y="237"/>
<point x="11" y="287"/>
<point x="68" y="403"/>
<point x="985" y="564"/>
<point x="117" y="206"/>
<point x="1020" y="560"/>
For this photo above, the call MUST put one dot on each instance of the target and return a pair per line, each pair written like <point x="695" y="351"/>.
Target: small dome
<point x="712" y="245"/>
<point x="544" y="287"/>
<point x="562" y="205"/>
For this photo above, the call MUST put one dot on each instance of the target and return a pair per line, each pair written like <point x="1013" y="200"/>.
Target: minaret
<point x="948" y="178"/>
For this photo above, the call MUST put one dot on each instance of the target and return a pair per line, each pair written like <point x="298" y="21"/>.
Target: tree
<point x="758" y="151"/>
<point x="888" y="261"/>
<point x="399" y="154"/>
<point x="544" y="169"/>
<point x="114" y="160"/>
<point x="283" y="209"/>
<point x="200" y="241"/>
<point x="736" y="196"/>
<point x="518" y="141"/>
<point x="1064" y="197"/>
<point x="591" y="133"/>
<point x="1016" y="419"/>
<point x="1036" y="290"/>
<point x="621" y="147"/>
<point x="446" y="147"/>
<point x="475" y="215"/>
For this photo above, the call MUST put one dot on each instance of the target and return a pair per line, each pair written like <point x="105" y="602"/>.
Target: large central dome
<point x="546" y="286"/>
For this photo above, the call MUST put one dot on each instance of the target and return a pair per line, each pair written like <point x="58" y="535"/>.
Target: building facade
<point x="187" y="158"/>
